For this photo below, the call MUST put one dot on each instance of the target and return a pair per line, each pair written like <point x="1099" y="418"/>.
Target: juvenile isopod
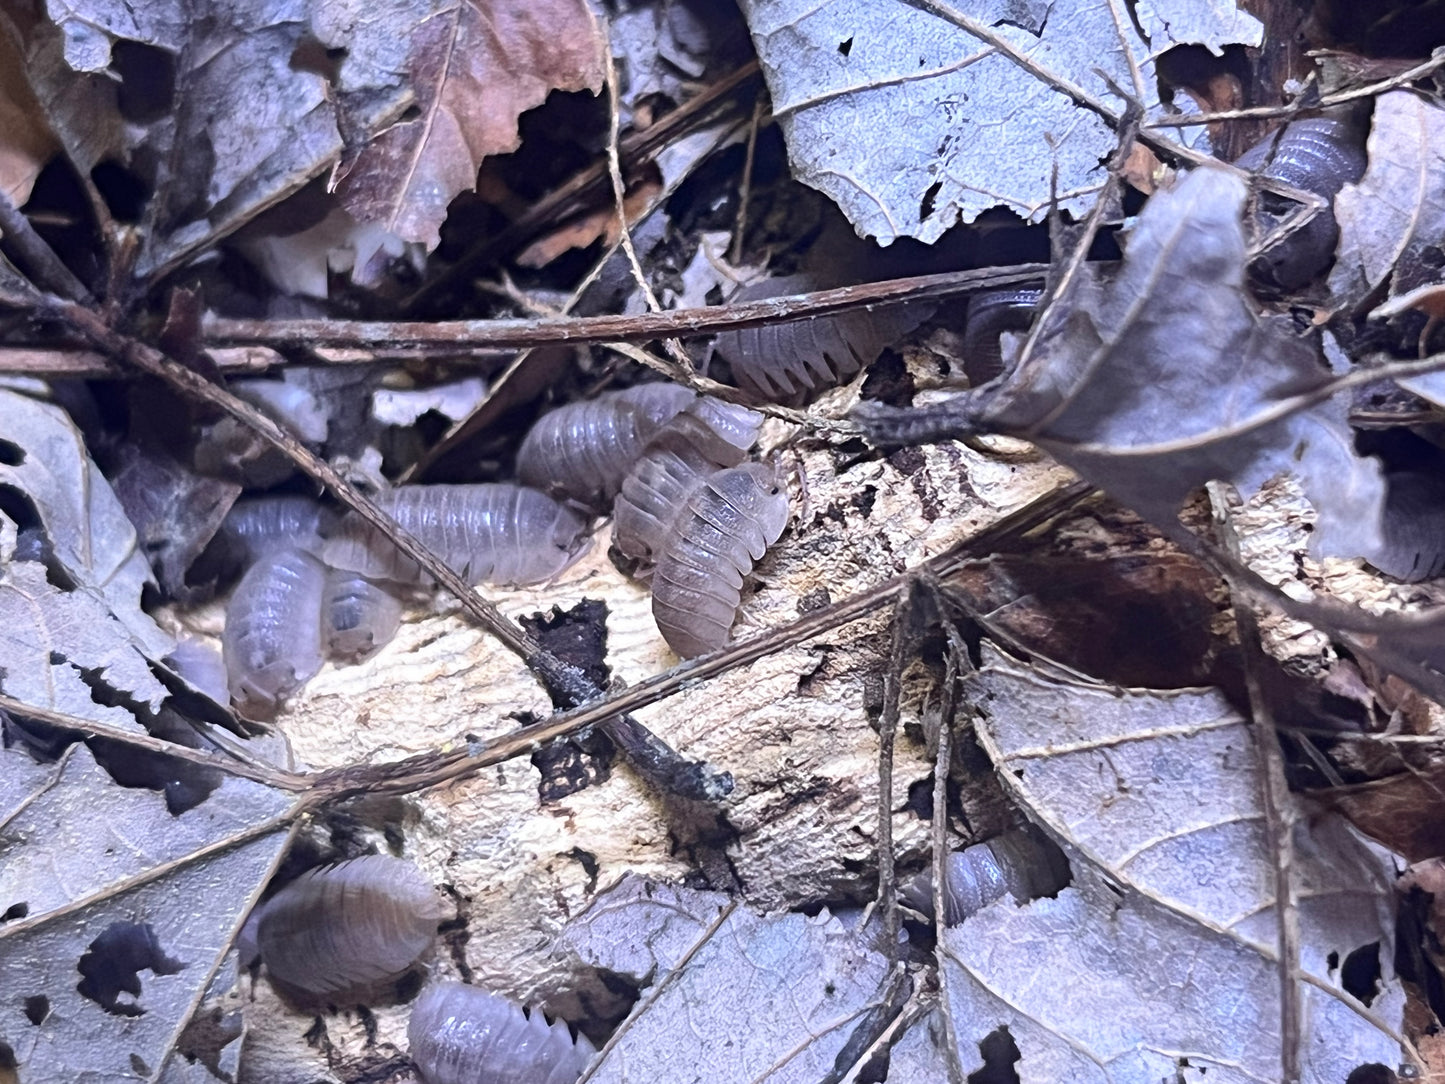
<point x="1320" y="155"/>
<point x="348" y="926"/>
<point x="582" y="451"/>
<point x="727" y="526"/>
<point x="272" y="639"/>
<point x="202" y="665"/>
<point x="461" y="1034"/>
<point x="783" y="362"/>
<point x="1023" y="864"/>
<point x="257" y="524"/>
<point x="488" y="533"/>
<point x="358" y="617"/>
<point x="708" y="435"/>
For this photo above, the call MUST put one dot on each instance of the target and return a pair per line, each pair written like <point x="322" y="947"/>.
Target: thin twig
<point x="887" y="733"/>
<point x="451" y="336"/>
<point x="1279" y="809"/>
<point x="745" y="185"/>
<point x="36" y="257"/>
<point x="1297" y="109"/>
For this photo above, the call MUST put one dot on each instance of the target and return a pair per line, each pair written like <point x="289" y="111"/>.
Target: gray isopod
<point x="358" y="617"/>
<point x="708" y="435"/>
<point x="784" y="362"/>
<point x="461" y="1034"/>
<point x="272" y="640"/>
<point x="727" y="526"/>
<point x="350" y="925"/>
<point x="488" y="533"/>
<point x="1024" y="864"/>
<point x="583" y="450"/>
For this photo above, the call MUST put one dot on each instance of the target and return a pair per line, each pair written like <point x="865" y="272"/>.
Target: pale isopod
<point x="257" y="525"/>
<point x="272" y="639"/>
<point x="358" y="617"/>
<point x="708" y="435"/>
<point x="582" y="451"/>
<point x="488" y="533"/>
<point x="728" y="525"/>
<point x="460" y="1034"/>
<point x="782" y="362"/>
<point x="1023" y="864"/>
<point x="201" y="664"/>
<point x="350" y="925"/>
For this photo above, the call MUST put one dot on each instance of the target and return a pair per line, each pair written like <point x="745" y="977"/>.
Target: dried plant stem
<point x="451" y="337"/>
<point x="36" y="257"/>
<point x="745" y="185"/>
<point x="1279" y="809"/>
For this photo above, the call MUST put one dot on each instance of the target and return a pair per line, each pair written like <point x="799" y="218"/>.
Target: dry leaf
<point x="1392" y="221"/>
<point x="475" y="67"/>
<point x="1160" y="955"/>
<point x="26" y="142"/>
<point x="911" y="124"/>
<point x="1161" y="378"/>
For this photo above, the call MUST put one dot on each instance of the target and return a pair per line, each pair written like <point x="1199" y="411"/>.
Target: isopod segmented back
<point x="583" y="450"/>
<point x="272" y="639"/>
<point x="728" y="524"/>
<point x="461" y="1034"/>
<point x="358" y="617"/>
<point x="708" y="435"/>
<point x="487" y="533"/>
<point x="349" y="925"/>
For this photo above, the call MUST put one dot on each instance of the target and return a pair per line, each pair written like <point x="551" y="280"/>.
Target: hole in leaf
<point x="1000" y="1053"/>
<point x="124" y="193"/>
<point x="113" y="963"/>
<point x="11" y="454"/>
<point x="37" y="1008"/>
<point x="1360" y="973"/>
<point x="1372" y="1073"/>
<point x="925" y="208"/>
<point x="845" y="47"/>
<point x="14" y="911"/>
<point x="7" y="1057"/>
<point x="147" y="80"/>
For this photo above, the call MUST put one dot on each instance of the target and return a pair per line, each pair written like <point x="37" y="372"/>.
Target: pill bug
<point x="460" y="1034"/>
<point x="256" y="525"/>
<point x="1024" y="864"/>
<point x="201" y="665"/>
<point x="272" y="639"/>
<point x="1413" y="527"/>
<point x="488" y="533"/>
<point x="348" y="926"/>
<point x="358" y="617"/>
<point x="582" y="451"/>
<point x="784" y="362"/>
<point x="1320" y="155"/>
<point x="728" y="525"/>
<point x="708" y="435"/>
<point x="990" y="315"/>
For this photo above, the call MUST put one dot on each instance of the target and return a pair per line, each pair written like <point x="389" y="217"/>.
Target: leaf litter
<point x="1148" y="378"/>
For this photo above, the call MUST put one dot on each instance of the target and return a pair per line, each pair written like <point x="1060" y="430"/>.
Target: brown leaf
<point x="475" y="67"/>
<point x="583" y="230"/>
<point x="26" y="142"/>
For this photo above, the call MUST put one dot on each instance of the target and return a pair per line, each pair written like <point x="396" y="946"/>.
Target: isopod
<point x="201" y="665"/>
<point x="256" y="525"/>
<point x="272" y="639"/>
<point x="460" y="1034"/>
<point x="990" y="314"/>
<point x="708" y="435"/>
<point x="783" y="362"/>
<point x="728" y="525"/>
<point x="1023" y="864"/>
<point x="1320" y="155"/>
<point x="358" y="617"/>
<point x="582" y="451"/>
<point x="487" y="533"/>
<point x="348" y="926"/>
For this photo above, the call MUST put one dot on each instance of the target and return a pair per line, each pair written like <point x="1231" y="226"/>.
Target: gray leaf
<point x="910" y="124"/>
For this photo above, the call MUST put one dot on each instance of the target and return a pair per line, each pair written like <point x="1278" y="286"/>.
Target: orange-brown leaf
<point x="475" y="67"/>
